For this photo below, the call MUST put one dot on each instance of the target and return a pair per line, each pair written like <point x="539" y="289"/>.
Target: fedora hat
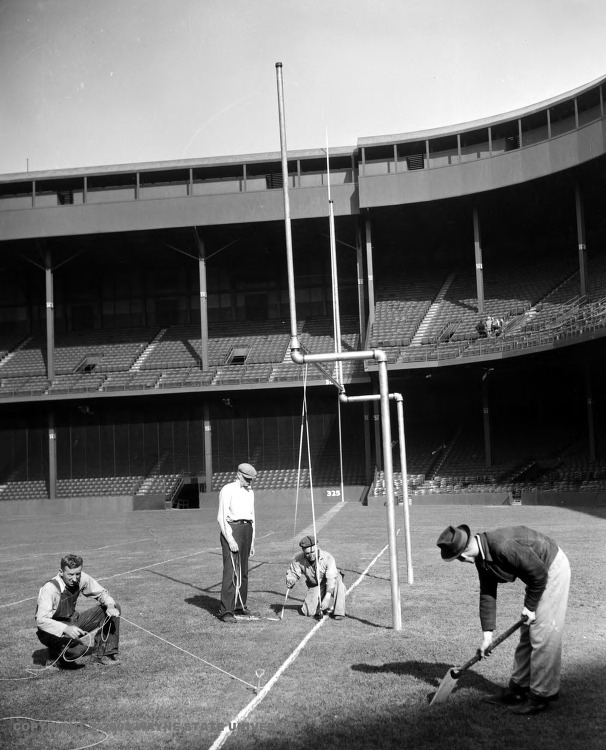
<point x="452" y="541"/>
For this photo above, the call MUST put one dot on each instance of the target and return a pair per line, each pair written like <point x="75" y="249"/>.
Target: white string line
<point x="227" y="730"/>
<point x="85" y="551"/>
<point x="214" y="666"/>
<point x="117" y="575"/>
<point x="55" y="721"/>
<point x="327" y="516"/>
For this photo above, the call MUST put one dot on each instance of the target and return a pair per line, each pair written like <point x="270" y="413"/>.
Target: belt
<point x="241" y="520"/>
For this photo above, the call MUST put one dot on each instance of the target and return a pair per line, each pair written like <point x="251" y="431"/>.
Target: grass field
<point x="185" y="676"/>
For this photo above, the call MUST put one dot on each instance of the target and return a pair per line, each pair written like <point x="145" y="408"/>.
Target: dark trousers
<point x="105" y="642"/>
<point x="235" y="569"/>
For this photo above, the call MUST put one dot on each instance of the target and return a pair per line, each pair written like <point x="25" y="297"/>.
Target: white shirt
<point x="236" y="503"/>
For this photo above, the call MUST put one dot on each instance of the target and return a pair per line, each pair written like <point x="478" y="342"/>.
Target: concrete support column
<point x="367" y="445"/>
<point x="479" y="265"/>
<point x="361" y="290"/>
<point x="50" y="316"/>
<point x="208" y="449"/>
<point x="590" y="421"/>
<point x="52" y="455"/>
<point x="581" y="237"/>
<point x="486" y="418"/>
<point x="203" y="299"/>
<point x="369" y="266"/>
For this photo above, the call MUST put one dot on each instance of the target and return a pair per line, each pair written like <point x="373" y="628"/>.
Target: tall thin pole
<point x="287" y="225"/>
<point x="396" y="610"/>
<point x="334" y="271"/>
<point x="376" y="354"/>
<point x="402" y="441"/>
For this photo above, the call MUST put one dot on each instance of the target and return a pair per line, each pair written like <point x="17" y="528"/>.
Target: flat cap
<point x="248" y="470"/>
<point x="307" y="541"/>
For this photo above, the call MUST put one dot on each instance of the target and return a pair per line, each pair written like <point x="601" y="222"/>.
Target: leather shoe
<point x="506" y="698"/>
<point x="531" y="706"/>
<point x="244" y="611"/>
<point x="228" y="617"/>
<point x="105" y="661"/>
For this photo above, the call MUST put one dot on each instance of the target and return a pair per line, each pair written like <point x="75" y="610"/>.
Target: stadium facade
<point x="144" y="331"/>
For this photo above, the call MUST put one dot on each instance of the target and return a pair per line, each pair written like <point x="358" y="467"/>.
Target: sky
<point x="87" y="83"/>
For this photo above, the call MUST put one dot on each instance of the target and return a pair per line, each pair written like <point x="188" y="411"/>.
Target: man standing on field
<point x="236" y="520"/>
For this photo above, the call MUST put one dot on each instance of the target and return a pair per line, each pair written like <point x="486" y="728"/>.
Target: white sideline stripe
<point x="227" y="730"/>
<point x="328" y="515"/>
<point x="322" y="521"/>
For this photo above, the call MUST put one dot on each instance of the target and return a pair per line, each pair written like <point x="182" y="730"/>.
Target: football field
<point x="187" y="680"/>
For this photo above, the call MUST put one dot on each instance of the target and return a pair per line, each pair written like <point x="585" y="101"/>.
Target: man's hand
<point x="252" y="550"/>
<point x="326" y="602"/>
<point x="486" y="642"/>
<point x="73" y="631"/>
<point x="290" y="582"/>
<point x="112" y="612"/>
<point x="233" y="545"/>
<point x="530" y="616"/>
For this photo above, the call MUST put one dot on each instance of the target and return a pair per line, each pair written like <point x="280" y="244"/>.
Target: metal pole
<point x="299" y="358"/>
<point x="396" y="612"/>
<point x="402" y="438"/>
<point x="287" y="225"/>
<point x="400" y="409"/>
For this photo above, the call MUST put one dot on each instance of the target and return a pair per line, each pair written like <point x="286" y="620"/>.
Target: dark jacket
<point x="507" y="554"/>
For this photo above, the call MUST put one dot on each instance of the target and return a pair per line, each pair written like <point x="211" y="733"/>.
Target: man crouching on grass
<point x="501" y="556"/>
<point x="330" y="598"/>
<point x="64" y="631"/>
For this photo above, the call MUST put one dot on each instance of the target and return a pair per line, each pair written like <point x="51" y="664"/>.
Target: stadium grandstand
<point x="145" y="333"/>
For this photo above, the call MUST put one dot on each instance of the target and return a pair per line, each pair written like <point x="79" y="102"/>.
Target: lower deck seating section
<point x="98" y="486"/>
<point x="517" y="464"/>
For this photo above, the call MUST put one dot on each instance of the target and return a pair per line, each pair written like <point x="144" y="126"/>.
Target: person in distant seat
<point x="330" y="596"/>
<point x="497" y="326"/>
<point x="236" y="520"/>
<point x="481" y="329"/>
<point x="501" y="556"/>
<point x="64" y="631"/>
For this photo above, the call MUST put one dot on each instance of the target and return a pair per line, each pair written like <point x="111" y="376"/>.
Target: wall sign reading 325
<point x="333" y="493"/>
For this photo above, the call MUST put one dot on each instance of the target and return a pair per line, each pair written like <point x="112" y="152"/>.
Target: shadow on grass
<point x="39" y="657"/>
<point x="432" y="674"/>
<point x="202" y="601"/>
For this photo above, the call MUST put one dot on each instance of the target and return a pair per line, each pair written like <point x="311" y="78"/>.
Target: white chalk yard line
<point x="227" y="730"/>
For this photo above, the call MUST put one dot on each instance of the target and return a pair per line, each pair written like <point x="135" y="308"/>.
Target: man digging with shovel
<point x="501" y="556"/>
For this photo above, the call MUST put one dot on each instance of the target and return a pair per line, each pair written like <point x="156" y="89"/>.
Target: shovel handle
<point x="504" y="635"/>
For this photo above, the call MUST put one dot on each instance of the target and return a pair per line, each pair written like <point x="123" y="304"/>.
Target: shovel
<point x="451" y="677"/>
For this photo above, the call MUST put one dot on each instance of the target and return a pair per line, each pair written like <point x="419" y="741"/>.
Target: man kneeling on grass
<point x="501" y="556"/>
<point x="330" y="597"/>
<point x="64" y="631"/>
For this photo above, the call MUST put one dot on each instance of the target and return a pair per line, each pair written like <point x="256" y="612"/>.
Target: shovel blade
<point x="447" y="685"/>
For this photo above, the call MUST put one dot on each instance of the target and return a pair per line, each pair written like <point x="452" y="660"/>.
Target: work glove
<point x="530" y="616"/>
